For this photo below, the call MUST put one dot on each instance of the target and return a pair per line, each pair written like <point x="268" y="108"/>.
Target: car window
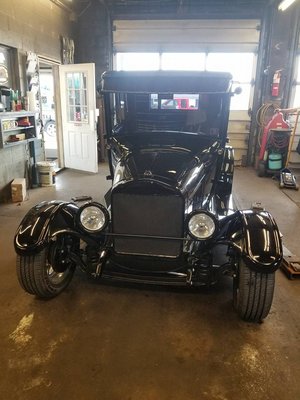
<point x="174" y="102"/>
<point x="144" y="112"/>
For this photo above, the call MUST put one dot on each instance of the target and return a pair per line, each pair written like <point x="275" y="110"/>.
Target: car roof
<point x="166" y="82"/>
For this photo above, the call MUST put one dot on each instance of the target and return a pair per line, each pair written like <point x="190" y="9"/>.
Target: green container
<point x="275" y="161"/>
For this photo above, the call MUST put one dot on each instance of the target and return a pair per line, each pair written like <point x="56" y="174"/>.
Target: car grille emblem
<point x="148" y="173"/>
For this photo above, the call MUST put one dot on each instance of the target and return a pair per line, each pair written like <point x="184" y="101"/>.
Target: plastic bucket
<point x="275" y="161"/>
<point x="46" y="173"/>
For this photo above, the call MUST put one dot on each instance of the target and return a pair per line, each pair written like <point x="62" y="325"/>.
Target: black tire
<point x="37" y="276"/>
<point x="253" y="293"/>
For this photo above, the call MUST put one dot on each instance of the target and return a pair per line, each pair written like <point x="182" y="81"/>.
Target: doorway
<point x="48" y="112"/>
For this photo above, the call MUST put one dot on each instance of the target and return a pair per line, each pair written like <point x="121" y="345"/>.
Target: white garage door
<point x="228" y="45"/>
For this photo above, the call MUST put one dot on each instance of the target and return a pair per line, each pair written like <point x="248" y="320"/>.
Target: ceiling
<point x="173" y="8"/>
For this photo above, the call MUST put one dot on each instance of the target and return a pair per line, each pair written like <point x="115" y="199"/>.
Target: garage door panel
<point x="236" y="115"/>
<point x="251" y="24"/>
<point x="239" y="156"/>
<point x="238" y="126"/>
<point x="238" y="141"/>
<point x="187" y="48"/>
<point x="185" y="35"/>
<point x="238" y="134"/>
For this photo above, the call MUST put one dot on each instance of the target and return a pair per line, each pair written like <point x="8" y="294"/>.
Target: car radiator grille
<point x="147" y="215"/>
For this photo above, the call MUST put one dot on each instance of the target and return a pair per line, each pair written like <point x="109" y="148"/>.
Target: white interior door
<point x="78" y="108"/>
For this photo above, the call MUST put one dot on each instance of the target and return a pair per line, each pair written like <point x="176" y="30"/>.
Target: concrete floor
<point x="108" y="342"/>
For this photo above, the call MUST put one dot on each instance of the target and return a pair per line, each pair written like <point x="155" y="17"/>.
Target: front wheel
<point x="45" y="274"/>
<point x="252" y="293"/>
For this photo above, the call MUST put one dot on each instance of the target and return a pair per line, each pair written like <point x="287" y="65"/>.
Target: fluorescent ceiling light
<point x="285" y="4"/>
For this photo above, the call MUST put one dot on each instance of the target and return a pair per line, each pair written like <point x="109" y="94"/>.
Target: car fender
<point x="262" y="250"/>
<point x="43" y="222"/>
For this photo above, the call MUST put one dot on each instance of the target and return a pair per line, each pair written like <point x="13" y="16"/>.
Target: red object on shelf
<point x="12" y="139"/>
<point x="24" y="121"/>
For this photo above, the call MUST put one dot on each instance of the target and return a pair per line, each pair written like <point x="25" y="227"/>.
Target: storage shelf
<point x="6" y="131"/>
<point x="10" y="144"/>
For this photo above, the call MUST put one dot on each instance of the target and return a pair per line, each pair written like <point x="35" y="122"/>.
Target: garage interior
<point x="116" y="341"/>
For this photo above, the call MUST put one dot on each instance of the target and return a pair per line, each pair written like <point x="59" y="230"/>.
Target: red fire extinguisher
<point x="276" y="83"/>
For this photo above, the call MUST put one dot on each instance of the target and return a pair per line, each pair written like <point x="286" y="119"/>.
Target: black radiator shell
<point x="156" y="215"/>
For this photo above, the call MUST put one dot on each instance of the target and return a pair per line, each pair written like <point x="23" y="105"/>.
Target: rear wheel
<point x="47" y="273"/>
<point x="252" y="293"/>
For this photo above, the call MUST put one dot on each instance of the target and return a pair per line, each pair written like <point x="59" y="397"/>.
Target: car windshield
<point x="137" y="113"/>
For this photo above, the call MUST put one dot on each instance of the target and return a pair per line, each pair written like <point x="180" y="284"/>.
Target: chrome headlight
<point x="201" y="225"/>
<point x="93" y="217"/>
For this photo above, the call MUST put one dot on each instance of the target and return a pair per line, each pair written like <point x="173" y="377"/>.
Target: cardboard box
<point x="18" y="190"/>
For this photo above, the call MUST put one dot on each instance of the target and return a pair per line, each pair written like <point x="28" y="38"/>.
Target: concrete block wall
<point x="12" y="166"/>
<point x="36" y="26"/>
<point x="93" y="38"/>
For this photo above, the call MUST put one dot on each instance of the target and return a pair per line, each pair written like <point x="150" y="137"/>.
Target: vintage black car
<point x="169" y="217"/>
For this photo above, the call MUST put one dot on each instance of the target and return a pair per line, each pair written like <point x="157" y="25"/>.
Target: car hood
<point x="164" y="163"/>
<point x="172" y="164"/>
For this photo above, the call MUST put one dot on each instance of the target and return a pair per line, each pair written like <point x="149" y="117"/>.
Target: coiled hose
<point x="263" y="117"/>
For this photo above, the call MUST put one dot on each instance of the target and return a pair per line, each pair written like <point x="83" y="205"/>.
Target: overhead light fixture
<point x="285" y="4"/>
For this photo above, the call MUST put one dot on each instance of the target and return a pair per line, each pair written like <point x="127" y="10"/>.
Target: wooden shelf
<point x="25" y="141"/>
<point x="18" y="128"/>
